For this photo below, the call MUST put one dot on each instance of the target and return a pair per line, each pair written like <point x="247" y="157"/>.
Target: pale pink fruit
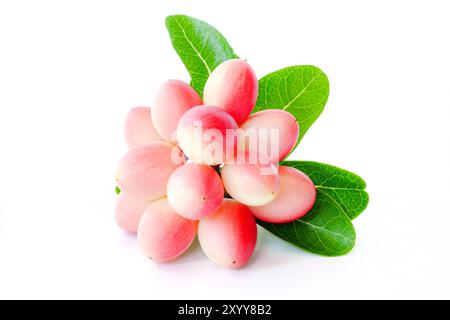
<point x="138" y="129"/>
<point x="195" y="191"/>
<point x="276" y="133"/>
<point x="129" y="210"/>
<point x="207" y="135"/>
<point x="164" y="235"/>
<point x="232" y="86"/>
<point x="145" y="170"/>
<point x="250" y="179"/>
<point x="228" y="236"/>
<point x="295" y="199"/>
<point x="174" y="98"/>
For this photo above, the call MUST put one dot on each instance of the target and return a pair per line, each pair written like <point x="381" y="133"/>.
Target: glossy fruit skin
<point x="294" y="200"/>
<point x="232" y="86"/>
<point x="228" y="236"/>
<point x="252" y="180"/>
<point x="138" y="129"/>
<point x="163" y="235"/>
<point x="195" y="191"/>
<point x="198" y="125"/>
<point x="173" y="99"/>
<point x="144" y="171"/>
<point x="266" y="123"/>
<point x="129" y="210"/>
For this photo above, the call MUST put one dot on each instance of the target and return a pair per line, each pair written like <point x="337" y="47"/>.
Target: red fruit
<point x="276" y="133"/>
<point x="250" y="179"/>
<point x="129" y="210"/>
<point x="164" y="235"/>
<point x="195" y="191"/>
<point x="295" y="199"/>
<point x="144" y="171"/>
<point x="207" y="135"/>
<point x="233" y="87"/>
<point x="138" y="129"/>
<point x="174" y="98"/>
<point x="228" y="236"/>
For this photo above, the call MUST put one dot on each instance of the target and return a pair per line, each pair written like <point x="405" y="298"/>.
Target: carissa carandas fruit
<point x="207" y="159"/>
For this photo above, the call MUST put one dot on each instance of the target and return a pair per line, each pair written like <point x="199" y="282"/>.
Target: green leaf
<point x="342" y="187"/>
<point x="200" y="46"/>
<point x="301" y="90"/>
<point x="325" y="230"/>
<point x="117" y="190"/>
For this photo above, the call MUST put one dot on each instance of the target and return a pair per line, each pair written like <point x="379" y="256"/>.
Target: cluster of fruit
<point x="208" y="168"/>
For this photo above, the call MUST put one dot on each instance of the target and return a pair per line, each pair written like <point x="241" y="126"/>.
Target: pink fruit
<point x="250" y="179"/>
<point x="295" y="198"/>
<point x="195" y="191"/>
<point x="228" y="236"/>
<point x="174" y="98"/>
<point x="144" y="171"/>
<point x="138" y="129"/>
<point x="276" y="133"/>
<point x="207" y="135"/>
<point x="232" y="86"/>
<point x="129" y="210"/>
<point x="164" y="235"/>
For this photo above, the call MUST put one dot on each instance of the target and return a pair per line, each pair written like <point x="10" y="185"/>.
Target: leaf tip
<point x="171" y="18"/>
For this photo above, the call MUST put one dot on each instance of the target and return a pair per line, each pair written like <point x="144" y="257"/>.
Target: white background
<point x="70" y="70"/>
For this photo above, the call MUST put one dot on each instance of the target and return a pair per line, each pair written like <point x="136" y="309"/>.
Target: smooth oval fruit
<point x="145" y="170"/>
<point x="207" y="135"/>
<point x="195" y="191"/>
<point x="294" y="200"/>
<point x="174" y="98"/>
<point x="138" y="129"/>
<point x="164" y="235"/>
<point x="250" y="179"/>
<point x="228" y="236"/>
<point x="232" y="86"/>
<point x="129" y="210"/>
<point x="274" y="133"/>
